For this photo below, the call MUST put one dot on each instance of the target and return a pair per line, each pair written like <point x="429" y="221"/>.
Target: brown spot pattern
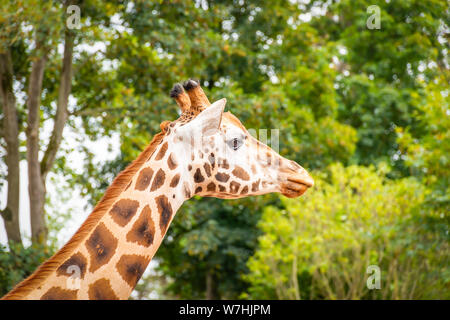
<point x="211" y="186"/>
<point x="171" y="162"/>
<point x="244" y="190"/>
<point x="255" y="185"/>
<point x="234" y="186"/>
<point x="131" y="267"/>
<point x="241" y="173"/>
<point x="158" y="181"/>
<point x="143" y="230"/>
<point x="165" y="212"/>
<point x="76" y="259"/>
<point x="145" y="176"/>
<point x="224" y="164"/>
<point x="162" y="151"/>
<point x="198" y="190"/>
<point x="268" y="158"/>
<point x="101" y="246"/>
<point x="123" y="210"/>
<point x="207" y="168"/>
<point x="222" y="188"/>
<point x="57" y="293"/>
<point x="175" y="181"/>
<point x="198" y="177"/>
<point x="101" y="290"/>
<point x="222" y="177"/>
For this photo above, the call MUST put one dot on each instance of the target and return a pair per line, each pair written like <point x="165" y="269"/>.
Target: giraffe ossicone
<point x="206" y="152"/>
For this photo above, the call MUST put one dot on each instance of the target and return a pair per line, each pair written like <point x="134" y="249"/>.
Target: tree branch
<point x="36" y="188"/>
<point x="61" y="111"/>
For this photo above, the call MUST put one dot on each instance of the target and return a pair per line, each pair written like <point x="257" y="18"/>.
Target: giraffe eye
<point x="235" y="143"/>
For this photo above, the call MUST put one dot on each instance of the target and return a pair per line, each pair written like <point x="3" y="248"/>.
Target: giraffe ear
<point x="209" y="119"/>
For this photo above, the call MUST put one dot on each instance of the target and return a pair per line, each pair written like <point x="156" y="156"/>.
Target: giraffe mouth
<point x="296" y="185"/>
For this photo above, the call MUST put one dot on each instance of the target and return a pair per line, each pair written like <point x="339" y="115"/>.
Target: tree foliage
<point x="336" y="91"/>
<point x="321" y="246"/>
<point x="17" y="263"/>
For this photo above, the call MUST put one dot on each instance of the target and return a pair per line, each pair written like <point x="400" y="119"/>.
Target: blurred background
<point x="359" y="91"/>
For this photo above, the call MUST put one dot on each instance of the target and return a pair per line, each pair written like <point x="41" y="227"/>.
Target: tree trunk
<point x="36" y="188"/>
<point x="37" y="171"/>
<point x="11" y="135"/>
<point x="211" y="286"/>
<point x="61" y="111"/>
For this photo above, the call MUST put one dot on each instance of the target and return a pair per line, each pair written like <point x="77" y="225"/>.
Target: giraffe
<point x="205" y="152"/>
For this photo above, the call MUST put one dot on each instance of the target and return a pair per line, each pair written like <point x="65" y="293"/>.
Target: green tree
<point x="320" y="247"/>
<point x="18" y="262"/>
<point x="337" y="92"/>
<point x="36" y="81"/>
<point x="382" y="70"/>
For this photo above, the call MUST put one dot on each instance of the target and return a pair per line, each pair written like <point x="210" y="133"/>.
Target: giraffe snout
<point x="295" y="180"/>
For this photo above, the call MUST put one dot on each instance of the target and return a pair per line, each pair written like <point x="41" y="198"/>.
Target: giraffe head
<point x="221" y="158"/>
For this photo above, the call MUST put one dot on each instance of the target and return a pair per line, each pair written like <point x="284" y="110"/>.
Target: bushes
<point x="319" y="246"/>
<point x="17" y="263"/>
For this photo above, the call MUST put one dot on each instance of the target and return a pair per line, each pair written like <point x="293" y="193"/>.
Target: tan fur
<point x="232" y="118"/>
<point x="198" y="97"/>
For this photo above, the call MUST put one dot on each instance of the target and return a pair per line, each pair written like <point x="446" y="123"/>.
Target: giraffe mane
<point x="114" y="190"/>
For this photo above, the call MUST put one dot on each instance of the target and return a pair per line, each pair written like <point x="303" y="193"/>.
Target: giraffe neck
<point x="107" y="261"/>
